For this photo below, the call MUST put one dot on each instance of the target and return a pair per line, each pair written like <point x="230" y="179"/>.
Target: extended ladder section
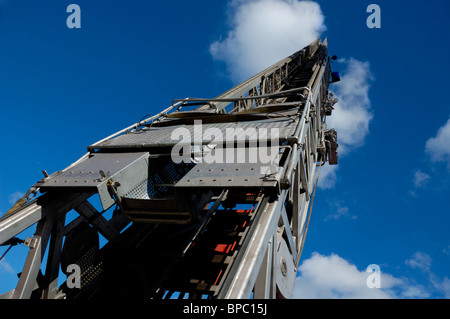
<point x="208" y="199"/>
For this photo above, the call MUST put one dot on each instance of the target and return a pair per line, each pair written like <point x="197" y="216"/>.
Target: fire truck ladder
<point x="159" y="215"/>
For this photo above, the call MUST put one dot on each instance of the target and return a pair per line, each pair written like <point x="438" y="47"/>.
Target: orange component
<point x="217" y="279"/>
<point x="220" y="248"/>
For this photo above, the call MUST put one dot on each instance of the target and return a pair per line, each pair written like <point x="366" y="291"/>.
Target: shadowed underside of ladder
<point x="208" y="199"/>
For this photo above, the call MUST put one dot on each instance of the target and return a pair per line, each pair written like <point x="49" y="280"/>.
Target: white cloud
<point x="341" y="211"/>
<point x="352" y="114"/>
<point x="438" y="147"/>
<point x="421" y="179"/>
<point x="420" y="260"/>
<point x="443" y="286"/>
<point x="263" y="32"/>
<point x="332" y="277"/>
<point x="423" y="261"/>
<point x="328" y="177"/>
<point x="338" y="210"/>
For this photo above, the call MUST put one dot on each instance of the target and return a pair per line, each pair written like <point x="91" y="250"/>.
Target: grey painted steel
<point x="243" y="280"/>
<point x="170" y="136"/>
<point x="229" y="175"/>
<point x="248" y="273"/>
<point x="266" y="261"/>
<point x="87" y="173"/>
<point x="97" y="171"/>
<point x="16" y="222"/>
<point x="30" y="271"/>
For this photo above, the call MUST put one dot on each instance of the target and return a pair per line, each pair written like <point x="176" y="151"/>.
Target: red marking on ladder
<point x="220" y="248"/>
<point x="217" y="279"/>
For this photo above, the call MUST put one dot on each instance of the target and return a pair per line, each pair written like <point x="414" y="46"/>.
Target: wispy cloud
<point x="328" y="177"/>
<point x="420" y="260"/>
<point x="338" y="211"/>
<point x="421" y="179"/>
<point x="423" y="262"/>
<point x="263" y="32"/>
<point x="333" y="277"/>
<point x="6" y="267"/>
<point x="438" y="147"/>
<point x="446" y="250"/>
<point x="442" y="285"/>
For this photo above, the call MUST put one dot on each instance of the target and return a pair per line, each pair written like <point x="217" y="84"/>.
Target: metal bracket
<point x="125" y="169"/>
<point x="30" y="242"/>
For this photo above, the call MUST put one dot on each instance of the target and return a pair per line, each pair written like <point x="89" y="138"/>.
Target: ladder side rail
<point x="135" y="125"/>
<point x="243" y="281"/>
<point x="241" y="284"/>
<point x="256" y="80"/>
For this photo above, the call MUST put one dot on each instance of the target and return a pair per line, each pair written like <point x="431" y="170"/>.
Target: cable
<point x="13" y="242"/>
<point x="6" y="252"/>
<point x="136" y="129"/>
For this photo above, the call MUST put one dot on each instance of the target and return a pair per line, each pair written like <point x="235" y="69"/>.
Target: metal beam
<point x="98" y="221"/>
<point x="37" y="245"/>
<point x="244" y="277"/>
<point x="18" y="221"/>
<point x="54" y="253"/>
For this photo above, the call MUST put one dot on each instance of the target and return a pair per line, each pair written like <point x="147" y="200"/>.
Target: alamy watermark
<point x="74" y="19"/>
<point x="73" y="272"/>
<point x="374" y="19"/>
<point x="374" y="279"/>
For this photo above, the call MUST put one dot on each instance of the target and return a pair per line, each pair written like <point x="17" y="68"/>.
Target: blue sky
<point x="387" y="203"/>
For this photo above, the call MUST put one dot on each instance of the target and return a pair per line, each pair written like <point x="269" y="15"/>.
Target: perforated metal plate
<point x="87" y="173"/>
<point x="128" y="169"/>
<point x="162" y="136"/>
